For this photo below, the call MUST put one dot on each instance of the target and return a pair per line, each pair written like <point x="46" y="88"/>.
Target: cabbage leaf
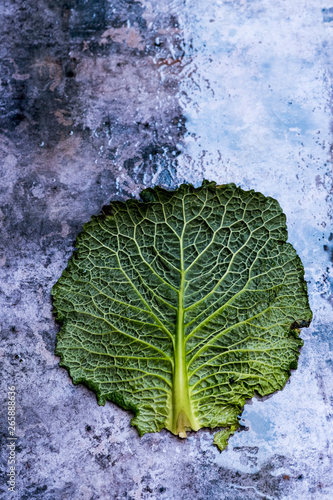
<point x="183" y="305"/>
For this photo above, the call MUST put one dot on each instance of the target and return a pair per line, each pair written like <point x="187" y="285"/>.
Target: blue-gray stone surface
<point x="98" y="100"/>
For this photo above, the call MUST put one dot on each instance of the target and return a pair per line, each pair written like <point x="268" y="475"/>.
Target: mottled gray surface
<point x="100" y="99"/>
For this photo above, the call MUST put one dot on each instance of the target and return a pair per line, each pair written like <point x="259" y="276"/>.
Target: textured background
<point x="99" y="99"/>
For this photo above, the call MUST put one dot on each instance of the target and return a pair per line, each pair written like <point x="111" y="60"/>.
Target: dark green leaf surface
<point x="183" y="305"/>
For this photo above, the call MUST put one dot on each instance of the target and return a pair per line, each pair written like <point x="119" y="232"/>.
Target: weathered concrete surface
<point x="94" y="99"/>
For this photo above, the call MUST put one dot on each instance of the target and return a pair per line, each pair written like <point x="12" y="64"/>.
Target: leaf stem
<point x="182" y="417"/>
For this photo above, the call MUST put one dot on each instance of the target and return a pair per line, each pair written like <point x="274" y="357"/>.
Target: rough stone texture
<point x="98" y="100"/>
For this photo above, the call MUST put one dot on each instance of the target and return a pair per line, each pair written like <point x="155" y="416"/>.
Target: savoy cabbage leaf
<point x="181" y="306"/>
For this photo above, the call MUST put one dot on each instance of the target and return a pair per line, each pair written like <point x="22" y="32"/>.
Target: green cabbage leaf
<point x="183" y="305"/>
